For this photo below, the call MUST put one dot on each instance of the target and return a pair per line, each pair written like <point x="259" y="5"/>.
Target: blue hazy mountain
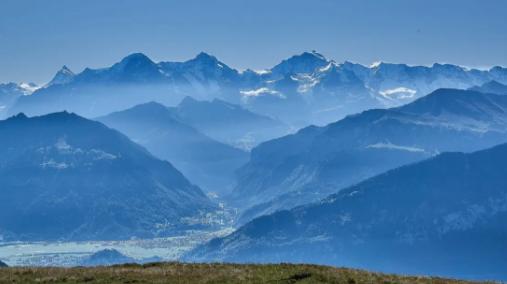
<point x="66" y="177"/>
<point x="205" y="161"/>
<point x="204" y="72"/>
<point x="307" y="62"/>
<point x="135" y="79"/>
<point x="229" y="123"/>
<point x="316" y="161"/>
<point x="107" y="257"/>
<point x="492" y="87"/>
<point x="3" y="264"/>
<point x="301" y="90"/>
<point x="445" y="215"/>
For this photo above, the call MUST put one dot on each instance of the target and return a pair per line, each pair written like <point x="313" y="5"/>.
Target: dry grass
<point x="207" y="273"/>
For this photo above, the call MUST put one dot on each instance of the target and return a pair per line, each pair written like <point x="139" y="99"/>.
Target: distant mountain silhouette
<point x="228" y="122"/>
<point x="107" y="257"/>
<point x="304" y="89"/>
<point x="207" y="162"/>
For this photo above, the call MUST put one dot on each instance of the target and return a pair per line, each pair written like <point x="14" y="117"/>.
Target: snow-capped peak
<point x="306" y="62"/>
<point x="66" y="70"/>
<point x="376" y="64"/>
<point x="317" y="54"/>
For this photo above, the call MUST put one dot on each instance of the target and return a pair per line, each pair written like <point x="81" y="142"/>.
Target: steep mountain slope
<point x="2" y="264"/>
<point x="317" y="161"/>
<point x="208" y="163"/>
<point x="445" y="215"/>
<point x="301" y="90"/>
<point x="228" y="122"/>
<point x="65" y="177"/>
<point x="492" y="87"/>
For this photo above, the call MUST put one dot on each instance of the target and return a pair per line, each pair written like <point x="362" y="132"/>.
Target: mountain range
<point x="381" y="167"/>
<point x="65" y="177"/>
<point x="301" y="90"/>
<point x="445" y="215"/>
<point x="229" y="123"/>
<point x="317" y="161"/>
<point x="207" y="162"/>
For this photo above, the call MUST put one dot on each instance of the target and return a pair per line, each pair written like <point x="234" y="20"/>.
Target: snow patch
<point x="262" y="72"/>
<point x="260" y="92"/>
<point x="389" y="145"/>
<point x="28" y="88"/>
<point x="375" y="64"/>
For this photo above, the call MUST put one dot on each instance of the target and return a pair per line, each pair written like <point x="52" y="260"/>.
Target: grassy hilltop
<point x="207" y="273"/>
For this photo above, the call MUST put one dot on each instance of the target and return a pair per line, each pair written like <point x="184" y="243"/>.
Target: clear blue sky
<point x="37" y="37"/>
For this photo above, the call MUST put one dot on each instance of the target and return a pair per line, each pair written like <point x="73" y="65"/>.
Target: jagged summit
<point x="208" y="64"/>
<point x="203" y="56"/>
<point x="303" y="89"/>
<point x="63" y="76"/>
<point x="306" y="62"/>
<point x="19" y="116"/>
<point x="65" y="70"/>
